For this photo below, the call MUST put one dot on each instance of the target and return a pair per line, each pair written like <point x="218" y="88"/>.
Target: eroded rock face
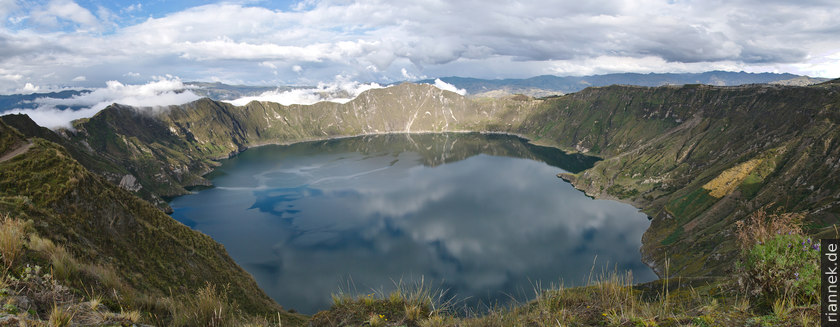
<point x="129" y="182"/>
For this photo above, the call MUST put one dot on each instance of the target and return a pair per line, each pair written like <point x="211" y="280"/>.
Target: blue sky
<point x="50" y="44"/>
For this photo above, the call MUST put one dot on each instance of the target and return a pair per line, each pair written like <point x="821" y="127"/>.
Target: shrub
<point x="778" y="262"/>
<point x="759" y="227"/>
<point x="785" y="266"/>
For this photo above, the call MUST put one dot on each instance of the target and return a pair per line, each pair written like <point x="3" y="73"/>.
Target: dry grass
<point x="40" y="244"/>
<point x="12" y="239"/>
<point x="729" y="179"/>
<point x="60" y="316"/>
<point x="64" y="265"/>
<point x="760" y="227"/>
<point x="409" y="304"/>
<point x="106" y="276"/>
<point x="208" y="307"/>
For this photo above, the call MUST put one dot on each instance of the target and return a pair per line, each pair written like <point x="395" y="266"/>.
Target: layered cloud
<point x="338" y="91"/>
<point x="56" y="113"/>
<point x="384" y="41"/>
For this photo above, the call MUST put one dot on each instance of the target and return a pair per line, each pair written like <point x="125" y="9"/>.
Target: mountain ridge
<point x="547" y="84"/>
<point x="662" y="146"/>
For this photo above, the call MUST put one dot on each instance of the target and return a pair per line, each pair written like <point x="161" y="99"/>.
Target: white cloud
<point x="134" y="7"/>
<point x="163" y="92"/>
<point x="29" y="88"/>
<point x="448" y="87"/>
<point x="80" y="78"/>
<point x="342" y="90"/>
<point x="6" y="7"/>
<point x="66" y="10"/>
<point x="374" y="40"/>
<point x="11" y="77"/>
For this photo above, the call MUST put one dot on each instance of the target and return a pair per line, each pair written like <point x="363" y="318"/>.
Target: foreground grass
<point x="610" y="300"/>
<point x="44" y="284"/>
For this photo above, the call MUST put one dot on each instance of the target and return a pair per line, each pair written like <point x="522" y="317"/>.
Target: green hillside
<point x="660" y="147"/>
<point x="697" y="159"/>
<point x="152" y="256"/>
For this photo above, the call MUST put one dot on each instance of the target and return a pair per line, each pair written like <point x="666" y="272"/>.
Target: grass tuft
<point x="12" y="239"/>
<point x="60" y="317"/>
<point x="208" y="307"/>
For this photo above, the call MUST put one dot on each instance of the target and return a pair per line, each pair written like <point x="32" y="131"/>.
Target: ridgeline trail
<point x="19" y="150"/>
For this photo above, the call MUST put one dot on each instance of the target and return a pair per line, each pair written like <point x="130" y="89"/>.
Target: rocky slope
<point x="695" y="158"/>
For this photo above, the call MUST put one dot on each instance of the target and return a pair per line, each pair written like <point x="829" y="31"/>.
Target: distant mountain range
<point x="549" y="84"/>
<point x="25" y="101"/>
<point x="224" y="92"/>
<point x="539" y="86"/>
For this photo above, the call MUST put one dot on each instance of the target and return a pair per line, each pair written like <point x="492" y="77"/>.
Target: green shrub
<point x="783" y="267"/>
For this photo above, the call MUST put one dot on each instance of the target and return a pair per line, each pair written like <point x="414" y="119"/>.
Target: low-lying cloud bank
<point x="340" y="92"/>
<point x="169" y="90"/>
<point x="55" y="112"/>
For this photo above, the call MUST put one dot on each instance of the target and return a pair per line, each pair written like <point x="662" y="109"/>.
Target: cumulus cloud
<point x="29" y="88"/>
<point x="164" y="91"/>
<point x="339" y="91"/>
<point x="448" y="87"/>
<point x="373" y="40"/>
<point x="64" y="10"/>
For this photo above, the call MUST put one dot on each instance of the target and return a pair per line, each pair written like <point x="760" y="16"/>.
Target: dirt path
<point x="21" y="149"/>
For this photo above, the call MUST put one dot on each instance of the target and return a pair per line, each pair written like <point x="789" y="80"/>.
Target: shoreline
<point x="571" y="181"/>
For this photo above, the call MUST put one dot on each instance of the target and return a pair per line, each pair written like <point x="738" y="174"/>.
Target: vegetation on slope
<point x="661" y="147"/>
<point x="678" y="152"/>
<point x="117" y="234"/>
<point x="697" y="159"/>
<point x="43" y="284"/>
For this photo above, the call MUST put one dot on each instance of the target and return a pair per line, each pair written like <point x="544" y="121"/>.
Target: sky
<point x="141" y="52"/>
<point x="67" y="43"/>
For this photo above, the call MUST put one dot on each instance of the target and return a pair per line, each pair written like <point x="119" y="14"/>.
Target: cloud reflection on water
<point x="486" y="226"/>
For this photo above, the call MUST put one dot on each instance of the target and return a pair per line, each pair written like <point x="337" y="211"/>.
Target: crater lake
<point x="482" y="217"/>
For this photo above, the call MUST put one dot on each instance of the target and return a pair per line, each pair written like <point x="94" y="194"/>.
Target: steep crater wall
<point x="695" y="158"/>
